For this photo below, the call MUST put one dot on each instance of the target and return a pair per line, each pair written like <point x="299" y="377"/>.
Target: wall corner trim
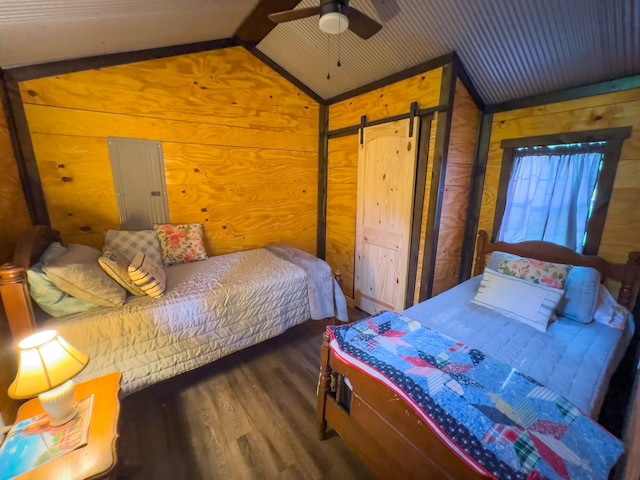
<point x="30" y="72"/>
<point x="323" y="181"/>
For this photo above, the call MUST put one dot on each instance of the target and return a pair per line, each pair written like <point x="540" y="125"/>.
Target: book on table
<point x="33" y="442"/>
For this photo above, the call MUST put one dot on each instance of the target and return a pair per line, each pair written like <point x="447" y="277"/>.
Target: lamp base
<point x="59" y="403"/>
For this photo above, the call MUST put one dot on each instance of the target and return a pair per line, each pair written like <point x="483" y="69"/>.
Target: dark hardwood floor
<point x="247" y="416"/>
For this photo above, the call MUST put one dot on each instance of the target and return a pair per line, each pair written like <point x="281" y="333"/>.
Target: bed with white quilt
<point x="210" y="308"/>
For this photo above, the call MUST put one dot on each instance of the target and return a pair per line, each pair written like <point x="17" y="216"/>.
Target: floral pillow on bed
<point x="181" y="243"/>
<point x="536" y="271"/>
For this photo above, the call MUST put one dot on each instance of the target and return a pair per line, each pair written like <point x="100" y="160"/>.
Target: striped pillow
<point x="519" y="299"/>
<point x="147" y="275"/>
<point x="116" y="265"/>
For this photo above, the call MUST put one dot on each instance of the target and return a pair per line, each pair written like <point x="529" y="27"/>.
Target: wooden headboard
<point x="14" y="289"/>
<point x="628" y="274"/>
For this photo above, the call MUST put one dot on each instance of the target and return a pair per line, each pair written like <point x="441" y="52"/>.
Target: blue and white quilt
<point x="500" y="422"/>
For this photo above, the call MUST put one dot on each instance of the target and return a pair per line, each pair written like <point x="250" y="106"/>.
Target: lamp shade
<point x="45" y="361"/>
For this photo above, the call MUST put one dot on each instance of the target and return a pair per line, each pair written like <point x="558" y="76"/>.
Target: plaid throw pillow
<point x="129" y="243"/>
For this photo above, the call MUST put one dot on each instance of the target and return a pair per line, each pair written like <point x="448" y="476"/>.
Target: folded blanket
<point x="500" y="422"/>
<point x="325" y="296"/>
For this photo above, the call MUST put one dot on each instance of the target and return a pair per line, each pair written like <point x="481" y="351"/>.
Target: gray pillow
<point x="54" y="251"/>
<point x="77" y="253"/>
<point x="78" y="274"/>
<point x="50" y="298"/>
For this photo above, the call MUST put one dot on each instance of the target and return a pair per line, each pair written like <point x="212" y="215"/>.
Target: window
<point x="557" y="188"/>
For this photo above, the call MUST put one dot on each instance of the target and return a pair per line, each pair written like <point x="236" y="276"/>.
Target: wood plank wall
<point x="622" y="227"/>
<point x="457" y="183"/>
<point x="394" y="99"/>
<point x="14" y="215"/>
<point x="240" y="146"/>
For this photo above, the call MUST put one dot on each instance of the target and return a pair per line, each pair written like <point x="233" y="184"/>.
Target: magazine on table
<point x="33" y="442"/>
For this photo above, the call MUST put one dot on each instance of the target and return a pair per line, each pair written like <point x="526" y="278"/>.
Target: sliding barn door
<point x="386" y="178"/>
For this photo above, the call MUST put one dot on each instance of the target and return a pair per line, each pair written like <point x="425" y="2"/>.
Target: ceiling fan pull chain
<point x="328" y="55"/>
<point x="340" y="33"/>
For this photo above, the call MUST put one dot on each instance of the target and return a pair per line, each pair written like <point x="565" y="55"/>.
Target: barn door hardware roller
<point x="363" y="124"/>
<point x="414" y="112"/>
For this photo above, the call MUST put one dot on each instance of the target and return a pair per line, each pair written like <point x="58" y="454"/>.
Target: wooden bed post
<point x="324" y="385"/>
<point x="338" y="276"/>
<point x="626" y="295"/>
<point x="479" y="263"/>
<point x="17" y="304"/>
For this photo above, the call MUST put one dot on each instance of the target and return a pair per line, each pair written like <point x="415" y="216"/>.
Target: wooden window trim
<point x="614" y="138"/>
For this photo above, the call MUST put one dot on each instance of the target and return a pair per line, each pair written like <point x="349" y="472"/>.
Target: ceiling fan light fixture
<point x="333" y="23"/>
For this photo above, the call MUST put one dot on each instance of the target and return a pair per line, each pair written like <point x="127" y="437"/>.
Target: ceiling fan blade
<point x="362" y="25"/>
<point x="289" y="15"/>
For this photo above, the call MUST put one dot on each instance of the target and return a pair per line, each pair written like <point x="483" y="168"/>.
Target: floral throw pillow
<point x="181" y="243"/>
<point x="536" y="271"/>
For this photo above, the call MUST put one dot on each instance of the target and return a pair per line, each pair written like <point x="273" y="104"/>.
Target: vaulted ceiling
<point x="511" y="49"/>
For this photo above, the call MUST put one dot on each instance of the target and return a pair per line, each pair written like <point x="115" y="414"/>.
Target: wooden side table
<point x="98" y="458"/>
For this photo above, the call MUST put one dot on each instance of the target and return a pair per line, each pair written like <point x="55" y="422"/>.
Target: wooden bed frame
<point x="390" y="437"/>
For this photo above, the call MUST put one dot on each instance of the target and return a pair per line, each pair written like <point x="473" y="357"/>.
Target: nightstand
<point x="98" y="458"/>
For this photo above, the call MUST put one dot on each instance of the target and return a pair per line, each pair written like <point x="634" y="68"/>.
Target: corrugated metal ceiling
<point x="511" y="49"/>
<point x="37" y="31"/>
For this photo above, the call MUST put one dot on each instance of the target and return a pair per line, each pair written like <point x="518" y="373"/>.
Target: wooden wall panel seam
<point x="426" y="124"/>
<point x="25" y="155"/>
<point x="323" y="164"/>
<point x="447" y="94"/>
<point x="475" y="195"/>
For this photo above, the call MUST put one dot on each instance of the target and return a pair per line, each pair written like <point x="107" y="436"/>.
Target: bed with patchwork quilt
<point x="452" y="389"/>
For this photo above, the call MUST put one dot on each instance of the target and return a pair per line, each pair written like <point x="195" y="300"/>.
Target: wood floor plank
<point x="250" y="415"/>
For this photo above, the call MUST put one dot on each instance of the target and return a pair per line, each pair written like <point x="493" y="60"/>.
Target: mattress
<point x="572" y="359"/>
<point x="210" y="309"/>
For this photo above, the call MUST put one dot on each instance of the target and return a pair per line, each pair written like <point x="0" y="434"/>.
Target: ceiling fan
<point x="335" y="17"/>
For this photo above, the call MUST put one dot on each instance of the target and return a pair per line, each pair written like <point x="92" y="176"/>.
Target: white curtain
<point x="549" y="198"/>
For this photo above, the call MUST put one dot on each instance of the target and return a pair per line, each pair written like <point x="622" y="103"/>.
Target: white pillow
<point x="610" y="312"/>
<point x="519" y="299"/>
<point x="580" y="289"/>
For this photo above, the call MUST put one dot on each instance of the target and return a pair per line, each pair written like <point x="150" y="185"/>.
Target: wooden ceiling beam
<point x="257" y="25"/>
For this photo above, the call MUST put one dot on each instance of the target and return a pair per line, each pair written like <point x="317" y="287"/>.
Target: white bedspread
<point x="210" y="309"/>
<point x="572" y="359"/>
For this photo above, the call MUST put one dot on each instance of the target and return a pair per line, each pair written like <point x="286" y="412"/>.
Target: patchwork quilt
<point x="500" y="422"/>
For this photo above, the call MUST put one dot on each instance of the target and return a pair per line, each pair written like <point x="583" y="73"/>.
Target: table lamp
<point x="46" y="365"/>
